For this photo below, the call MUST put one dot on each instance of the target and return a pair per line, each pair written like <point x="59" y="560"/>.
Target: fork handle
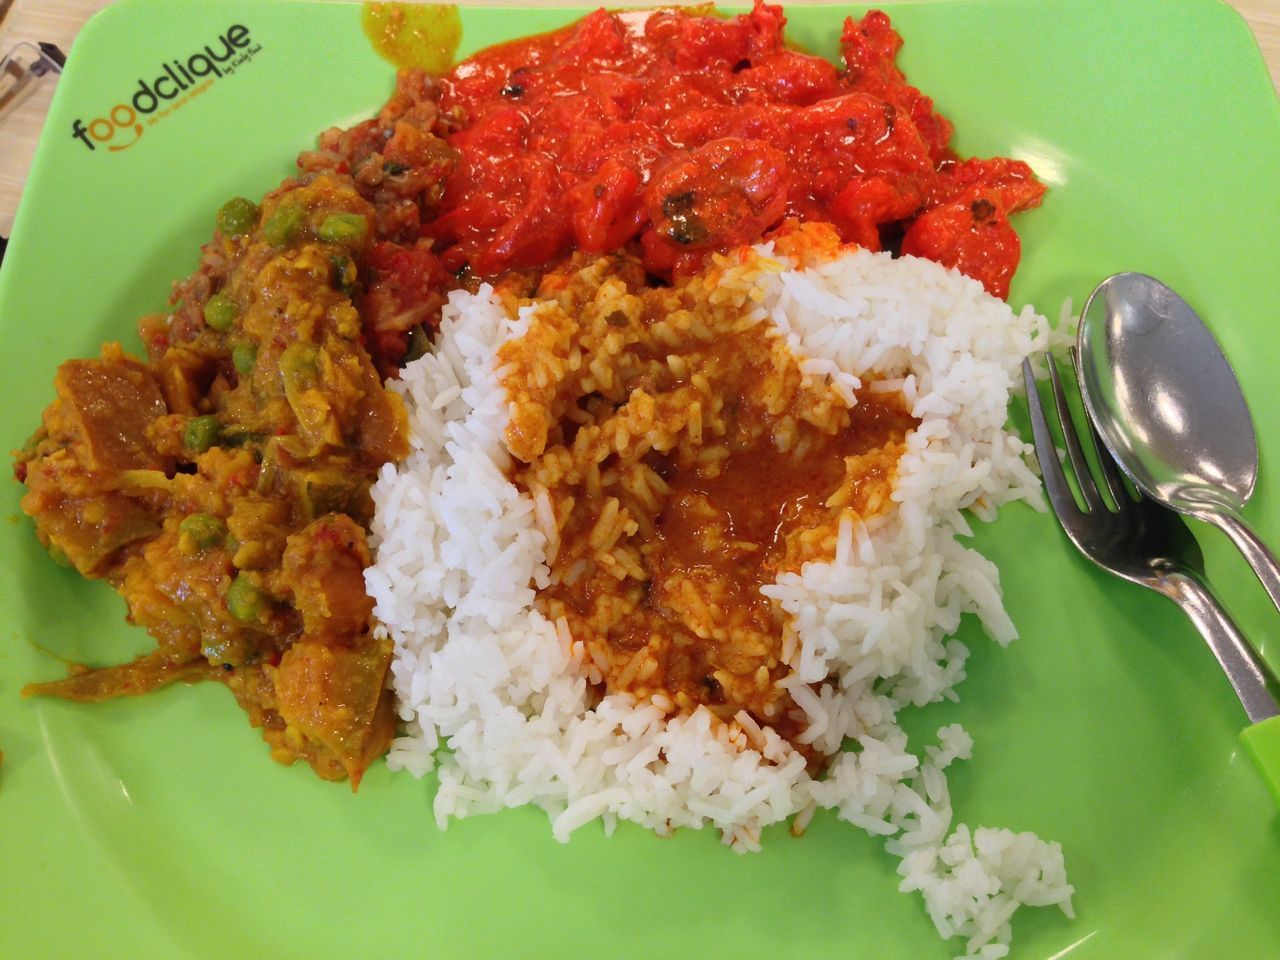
<point x="1248" y="674"/>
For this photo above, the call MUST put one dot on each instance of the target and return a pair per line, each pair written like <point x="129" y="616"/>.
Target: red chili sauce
<point x="676" y="135"/>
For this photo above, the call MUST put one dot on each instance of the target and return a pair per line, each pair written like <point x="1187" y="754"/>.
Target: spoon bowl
<point x="1169" y="408"/>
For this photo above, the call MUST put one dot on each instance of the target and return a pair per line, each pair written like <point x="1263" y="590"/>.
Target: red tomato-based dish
<point x="679" y="135"/>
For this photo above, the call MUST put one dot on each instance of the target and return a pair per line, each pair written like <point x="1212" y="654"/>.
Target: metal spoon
<point x="1169" y="408"/>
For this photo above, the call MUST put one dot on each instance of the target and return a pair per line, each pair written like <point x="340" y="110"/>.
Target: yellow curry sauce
<point x="686" y="461"/>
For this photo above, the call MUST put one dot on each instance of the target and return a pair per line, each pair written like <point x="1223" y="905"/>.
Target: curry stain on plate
<point x="414" y="34"/>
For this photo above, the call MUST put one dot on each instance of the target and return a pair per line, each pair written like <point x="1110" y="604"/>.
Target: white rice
<point x="459" y="553"/>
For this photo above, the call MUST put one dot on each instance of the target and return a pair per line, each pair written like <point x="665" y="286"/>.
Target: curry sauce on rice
<point x="681" y="460"/>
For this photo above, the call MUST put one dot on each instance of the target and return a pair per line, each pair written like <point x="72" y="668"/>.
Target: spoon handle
<point x="1257" y="553"/>
<point x="1249" y="675"/>
<point x="1253" y="682"/>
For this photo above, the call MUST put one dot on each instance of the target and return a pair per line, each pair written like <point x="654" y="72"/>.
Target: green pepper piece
<point x="200" y="433"/>
<point x="237" y="216"/>
<point x="344" y="275"/>
<point x="419" y="344"/>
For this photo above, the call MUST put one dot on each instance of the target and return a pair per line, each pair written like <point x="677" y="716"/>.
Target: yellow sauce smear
<point x="414" y="34"/>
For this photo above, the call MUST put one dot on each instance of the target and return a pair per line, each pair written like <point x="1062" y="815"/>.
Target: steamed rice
<point x="460" y="553"/>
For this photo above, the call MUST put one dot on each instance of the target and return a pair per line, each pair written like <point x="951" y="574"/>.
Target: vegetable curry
<point x="223" y="488"/>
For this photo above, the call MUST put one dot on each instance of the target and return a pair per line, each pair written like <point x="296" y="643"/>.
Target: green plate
<point x="159" y="828"/>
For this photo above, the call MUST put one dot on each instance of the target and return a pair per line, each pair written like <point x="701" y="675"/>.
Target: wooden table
<point x="58" y="22"/>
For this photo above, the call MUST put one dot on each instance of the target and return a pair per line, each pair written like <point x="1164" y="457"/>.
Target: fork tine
<point x="1088" y="489"/>
<point x="1106" y="462"/>
<point x="1055" y="480"/>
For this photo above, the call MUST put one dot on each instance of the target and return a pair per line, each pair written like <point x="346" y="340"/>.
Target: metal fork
<point x="1141" y="541"/>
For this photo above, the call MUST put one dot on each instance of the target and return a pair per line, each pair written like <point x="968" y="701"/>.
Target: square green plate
<point x="158" y="828"/>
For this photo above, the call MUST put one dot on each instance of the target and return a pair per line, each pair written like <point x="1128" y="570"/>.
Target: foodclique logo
<point x="172" y="87"/>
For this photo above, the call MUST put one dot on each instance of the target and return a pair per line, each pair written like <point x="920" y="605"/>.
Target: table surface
<point x="58" y="22"/>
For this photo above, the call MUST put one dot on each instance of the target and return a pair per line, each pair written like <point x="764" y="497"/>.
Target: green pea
<point x="220" y="312"/>
<point x="300" y="364"/>
<point x="284" y="226"/>
<point x="243" y="357"/>
<point x="343" y="228"/>
<point x="237" y="216"/>
<point x="245" y="601"/>
<point x="200" y="433"/>
<point x="199" y="532"/>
